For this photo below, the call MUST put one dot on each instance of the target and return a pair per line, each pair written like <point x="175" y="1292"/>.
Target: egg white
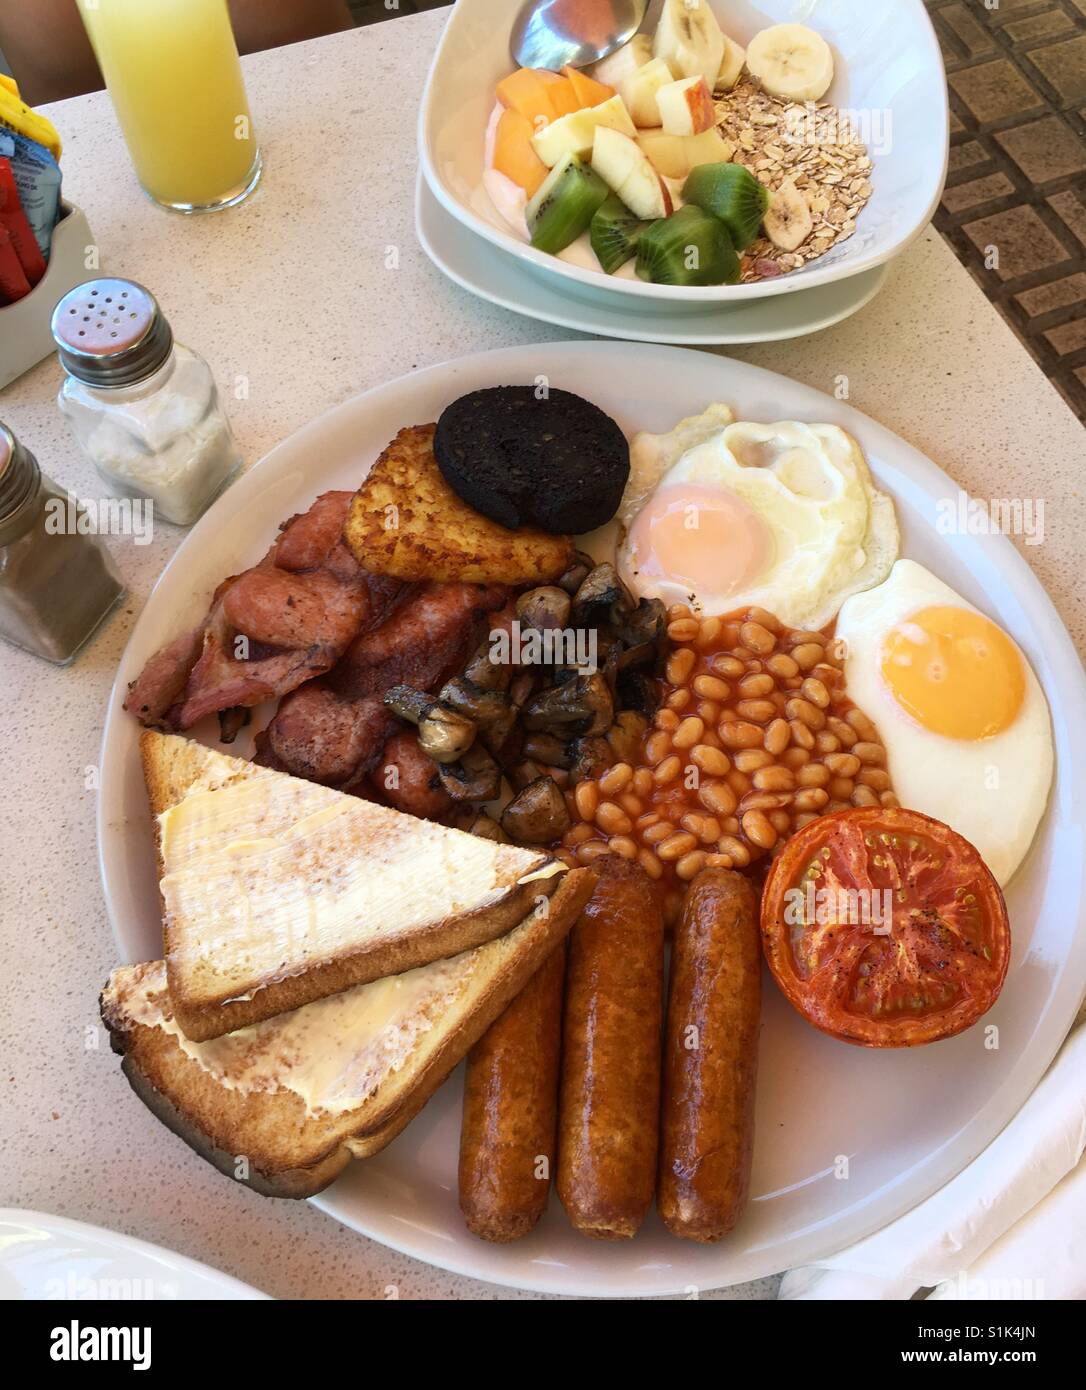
<point x="833" y="533"/>
<point x="992" y="790"/>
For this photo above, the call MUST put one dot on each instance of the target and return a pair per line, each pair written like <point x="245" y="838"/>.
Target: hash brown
<point x="406" y="521"/>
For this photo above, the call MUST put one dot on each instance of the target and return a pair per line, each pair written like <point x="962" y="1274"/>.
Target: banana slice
<point x="787" y="220"/>
<point x="735" y="55"/>
<point x="689" y="39"/>
<point x="791" y="61"/>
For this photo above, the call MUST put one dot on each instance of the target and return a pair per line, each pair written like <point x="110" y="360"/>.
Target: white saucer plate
<point x="484" y="269"/>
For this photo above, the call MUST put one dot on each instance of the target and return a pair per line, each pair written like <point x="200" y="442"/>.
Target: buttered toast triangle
<point x="276" y="891"/>
<point x="284" y="1104"/>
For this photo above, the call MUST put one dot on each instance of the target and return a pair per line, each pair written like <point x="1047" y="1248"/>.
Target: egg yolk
<point x="955" y="672"/>
<point x="703" y="537"/>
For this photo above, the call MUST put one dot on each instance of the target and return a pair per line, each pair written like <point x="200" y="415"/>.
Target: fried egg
<point x="783" y="516"/>
<point x="965" y="723"/>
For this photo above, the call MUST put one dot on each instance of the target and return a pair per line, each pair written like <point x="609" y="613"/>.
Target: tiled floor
<point x="1015" y="204"/>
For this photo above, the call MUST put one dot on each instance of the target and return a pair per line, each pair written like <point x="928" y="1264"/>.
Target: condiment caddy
<point x="25" y="335"/>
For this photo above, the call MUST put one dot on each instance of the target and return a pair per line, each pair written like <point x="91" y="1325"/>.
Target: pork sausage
<point x="710" y="1058"/>
<point x="507" y="1138"/>
<point x="609" y="1098"/>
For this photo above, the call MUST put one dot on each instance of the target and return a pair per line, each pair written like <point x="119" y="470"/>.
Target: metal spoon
<point x="552" y="33"/>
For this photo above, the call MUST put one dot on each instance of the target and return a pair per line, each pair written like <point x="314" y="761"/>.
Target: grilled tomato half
<point x="885" y="928"/>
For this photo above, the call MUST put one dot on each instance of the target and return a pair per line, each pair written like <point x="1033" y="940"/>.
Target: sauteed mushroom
<point x="602" y="598"/>
<point x="638" y="692"/>
<point x="487" y="828"/>
<point x="232" y="721"/>
<point x="537" y="815"/>
<point x="522" y="773"/>
<point x="489" y="710"/>
<point x="591" y="758"/>
<point x="577" y="573"/>
<point x="625" y="735"/>
<point x="544" y="608"/>
<point x="644" y="627"/>
<point x="444" y="734"/>
<point x="521" y="688"/>
<point x="548" y="749"/>
<point x="486" y="674"/>
<point x="474" y="777"/>
<point x="582" y="704"/>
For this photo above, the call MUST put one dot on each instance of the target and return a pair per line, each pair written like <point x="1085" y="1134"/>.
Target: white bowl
<point x="888" y="69"/>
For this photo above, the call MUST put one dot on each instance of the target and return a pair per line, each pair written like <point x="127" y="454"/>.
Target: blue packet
<point x="37" y="177"/>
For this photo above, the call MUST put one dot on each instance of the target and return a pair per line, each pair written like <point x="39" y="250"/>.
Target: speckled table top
<point x="290" y="299"/>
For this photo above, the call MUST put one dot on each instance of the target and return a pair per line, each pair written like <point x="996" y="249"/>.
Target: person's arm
<point x="47" y="47"/>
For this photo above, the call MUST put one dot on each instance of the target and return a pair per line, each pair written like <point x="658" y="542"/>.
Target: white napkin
<point x="1003" y="1228"/>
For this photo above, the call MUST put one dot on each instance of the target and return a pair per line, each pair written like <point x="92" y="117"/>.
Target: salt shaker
<point x="143" y="408"/>
<point x="57" y="581"/>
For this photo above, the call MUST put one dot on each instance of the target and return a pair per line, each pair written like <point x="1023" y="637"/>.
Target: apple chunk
<point x="639" y="90"/>
<point x="666" y="152"/>
<point x="624" y="166"/>
<point x="686" y="107"/>
<point x="675" y="155"/>
<point x="573" y="134"/>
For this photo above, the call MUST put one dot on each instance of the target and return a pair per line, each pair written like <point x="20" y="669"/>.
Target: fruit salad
<point x="623" y="168"/>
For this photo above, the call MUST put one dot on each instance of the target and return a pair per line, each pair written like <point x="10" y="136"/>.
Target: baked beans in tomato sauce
<point x="754" y="738"/>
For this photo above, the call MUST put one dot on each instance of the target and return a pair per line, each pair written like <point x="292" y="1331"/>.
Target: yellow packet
<point x="17" y="116"/>
<point x="9" y="83"/>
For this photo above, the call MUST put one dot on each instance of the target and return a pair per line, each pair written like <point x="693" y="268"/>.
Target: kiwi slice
<point x="690" y="247"/>
<point x="563" y="204"/>
<point x="615" y="232"/>
<point x="732" y="193"/>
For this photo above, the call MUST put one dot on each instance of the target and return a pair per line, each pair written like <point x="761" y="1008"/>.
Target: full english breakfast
<point x="682" y="158"/>
<point x="544" y="800"/>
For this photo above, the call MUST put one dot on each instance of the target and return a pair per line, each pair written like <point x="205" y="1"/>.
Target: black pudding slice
<point x="556" y="462"/>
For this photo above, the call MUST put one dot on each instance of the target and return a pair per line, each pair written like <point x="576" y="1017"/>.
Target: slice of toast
<point x="284" y="1104"/>
<point x="277" y="891"/>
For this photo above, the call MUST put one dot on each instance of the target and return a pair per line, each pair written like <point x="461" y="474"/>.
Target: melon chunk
<point x="513" y="153"/>
<point x="587" y="90"/>
<point x="528" y="91"/>
<point x="564" y="96"/>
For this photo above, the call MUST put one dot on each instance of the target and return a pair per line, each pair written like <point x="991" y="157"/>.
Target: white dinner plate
<point x="906" y="1120"/>
<point x="50" y="1257"/>
<point x="491" y="273"/>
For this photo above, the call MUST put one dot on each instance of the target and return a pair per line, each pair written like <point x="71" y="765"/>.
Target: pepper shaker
<point x="143" y="408"/>
<point x="57" y="582"/>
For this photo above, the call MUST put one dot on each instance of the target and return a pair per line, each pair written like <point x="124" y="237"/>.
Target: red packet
<point x="13" y="281"/>
<point x="14" y="219"/>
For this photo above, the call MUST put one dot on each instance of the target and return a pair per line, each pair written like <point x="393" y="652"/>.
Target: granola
<point x="815" y="146"/>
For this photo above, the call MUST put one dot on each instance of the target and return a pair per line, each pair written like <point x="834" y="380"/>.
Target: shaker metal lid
<point x="111" y="333"/>
<point x="18" y="482"/>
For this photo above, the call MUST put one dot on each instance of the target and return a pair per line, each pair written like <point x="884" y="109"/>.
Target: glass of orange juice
<point x="172" y="70"/>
